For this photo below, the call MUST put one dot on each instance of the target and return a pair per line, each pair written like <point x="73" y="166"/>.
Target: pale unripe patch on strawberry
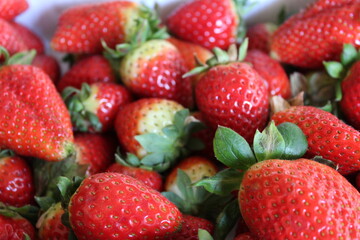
<point x="91" y="104"/>
<point x="129" y="17"/>
<point x="150" y="49"/>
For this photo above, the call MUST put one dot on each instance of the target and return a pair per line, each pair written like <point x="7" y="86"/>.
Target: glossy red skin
<point x="49" y="65"/>
<point x="190" y="228"/>
<point x="14" y="228"/>
<point x="327" y="136"/>
<point x="34" y="119"/>
<point x="10" y="38"/>
<point x="52" y="228"/>
<point x="207" y="23"/>
<point x="110" y="96"/>
<point x="149" y="178"/>
<point x="81" y="28"/>
<point x="203" y="167"/>
<point x="97" y="150"/>
<point x="116" y="206"/>
<point x="161" y="76"/>
<point x="127" y="120"/>
<point x="89" y="70"/>
<point x="9" y="9"/>
<point x="298" y="41"/>
<point x="350" y="102"/>
<point x="234" y="96"/>
<point x="16" y="182"/>
<point x="31" y="40"/>
<point x="245" y="236"/>
<point x="272" y="71"/>
<point x="259" y="36"/>
<point x="297" y="199"/>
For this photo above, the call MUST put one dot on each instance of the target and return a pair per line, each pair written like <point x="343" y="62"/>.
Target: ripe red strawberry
<point x="116" y="206"/>
<point x="31" y="40"/>
<point x="260" y="36"/>
<point x="94" y="150"/>
<point x="94" y="107"/>
<point x="304" y="199"/>
<point x="190" y="227"/>
<point x="49" y="65"/>
<point x="309" y="39"/>
<point x="35" y="121"/>
<point x="49" y="224"/>
<point x="155" y="69"/>
<point x="272" y="71"/>
<point x="10" y="39"/>
<point x="323" y="5"/>
<point x="16" y="181"/>
<point x="195" y="167"/>
<point x="148" y="177"/>
<point x="350" y="102"/>
<point x="89" y="70"/>
<point x="245" y="236"/>
<point x="157" y="131"/>
<point x="9" y="9"/>
<point x="327" y="136"/>
<point x="207" y="23"/>
<point x="14" y="227"/>
<point x="81" y="28"/>
<point x="231" y="93"/>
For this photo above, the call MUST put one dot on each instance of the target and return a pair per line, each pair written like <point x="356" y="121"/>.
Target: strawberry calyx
<point x="175" y="141"/>
<point x="285" y="141"/>
<point x="241" y="8"/>
<point x="339" y="70"/>
<point x="204" y="235"/>
<point x="28" y="212"/>
<point x="82" y="119"/>
<point x="22" y="58"/>
<point x="220" y="57"/>
<point x="6" y="153"/>
<point x="148" y="27"/>
<point x="196" y="201"/>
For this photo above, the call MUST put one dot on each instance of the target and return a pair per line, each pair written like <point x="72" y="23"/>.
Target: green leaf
<point x="29" y="212"/>
<point x="183" y="182"/>
<point x="334" y="69"/>
<point x="326" y="162"/>
<point x="328" y="107"/>
<point x="153" y="142"/>
<point x="232" y="150"/>
<point x="63" y="184"/>
<point x="243" y="50"/>
<point x="268" y="144"/>
<point x="338" y="91"/>
<point x="171" y="132"/>
<point x="175" y="199"/>
<point x="223" y="183"/>
<point x="153" y="159"/>
<point x="4" y="52"/>
<point x="221" y="55"/>
<point x="226" y="220"/>
<point x="26" y="237"/>
<point x="72" y="235"/>
<point x="295" y="141"/>
<point x="348" y="55"/>
<point x="44" y="202"/>
<point x="204" y="235"/>
<point x="180" y="117"/>
<point x="22" y="58"/>
<point x="65" y="219"/>
<point x="196" y="71"/>
<point x="6" y="153"/>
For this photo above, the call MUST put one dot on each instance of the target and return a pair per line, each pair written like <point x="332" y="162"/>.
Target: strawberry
<point x="94" y="107"/>
<point x="10" y="39"/>
<point x="155" y="69"/>
<point x="207" y="23"/>
<point x="49" y="224"/>
<point x="326" y="134"/>
<point x="309" y="38"/>
<point x="35" y="121"/>
<point x="190" y="227"/>
<point x="15" y="227"/>
<point x="195" y="167"/>
<point x="9" y="9"/>
<point x="231" y="93"/>
<point x="260" y="36"/>
<point x="149" y="177"/>
<point x="49" y="65"/>
<point x="81" y="28"/>
<point x="303" y="198"/>
<point x="116" y="206"/>
<point x="89" y="70"/>
<point x="31" y="40"/>
<point x="271" y="71"/>
<point x="16" y="180"/>
<point x="95" y="150"/>
<point x="245" y="236"/>
<point x="157" y="131"/>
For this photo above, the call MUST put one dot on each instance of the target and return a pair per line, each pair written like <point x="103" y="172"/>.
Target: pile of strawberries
<point x="195" y="127"/>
